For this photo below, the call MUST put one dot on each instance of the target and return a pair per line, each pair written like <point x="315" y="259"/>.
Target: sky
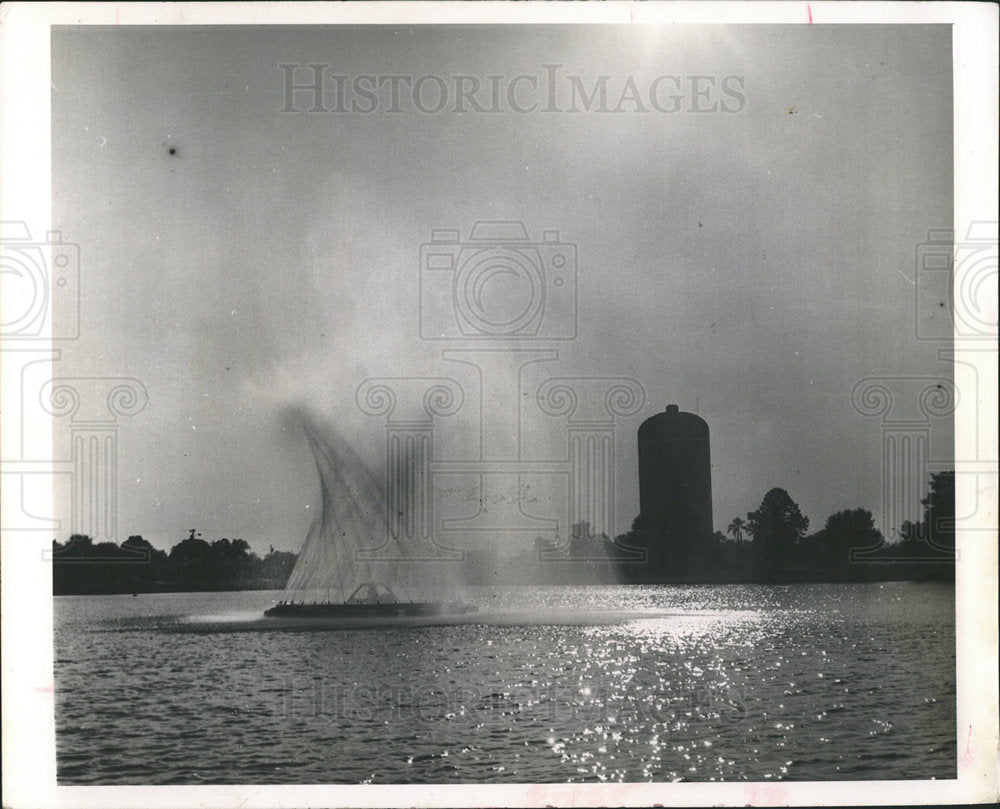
<point x="743" y="243"/>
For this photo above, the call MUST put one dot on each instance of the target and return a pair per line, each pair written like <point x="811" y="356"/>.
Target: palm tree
<point x="736" y="528"/>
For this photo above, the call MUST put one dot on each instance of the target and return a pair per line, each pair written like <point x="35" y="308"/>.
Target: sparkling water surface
<point x="698" y="683"/>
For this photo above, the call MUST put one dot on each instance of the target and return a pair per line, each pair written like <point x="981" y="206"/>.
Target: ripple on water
<point x="739" y="683"/>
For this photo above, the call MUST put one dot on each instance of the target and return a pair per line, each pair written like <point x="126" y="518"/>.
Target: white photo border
<point x="28" y="700"/>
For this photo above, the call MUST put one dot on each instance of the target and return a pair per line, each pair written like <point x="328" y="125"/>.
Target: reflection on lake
<point x="730" y="682"/>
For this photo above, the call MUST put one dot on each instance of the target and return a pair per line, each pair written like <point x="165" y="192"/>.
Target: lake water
<point x="698" y="683"/>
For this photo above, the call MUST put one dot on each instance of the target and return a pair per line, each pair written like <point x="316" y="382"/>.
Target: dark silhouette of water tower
<point x="675" y="490"/>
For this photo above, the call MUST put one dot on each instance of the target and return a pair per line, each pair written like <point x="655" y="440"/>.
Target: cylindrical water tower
<point x="675" y="486"/>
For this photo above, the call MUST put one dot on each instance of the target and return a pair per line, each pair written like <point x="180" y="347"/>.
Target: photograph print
<point x="478" y="403"/>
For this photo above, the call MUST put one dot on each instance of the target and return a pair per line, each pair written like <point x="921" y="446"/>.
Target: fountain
<point x="351" y="566"/>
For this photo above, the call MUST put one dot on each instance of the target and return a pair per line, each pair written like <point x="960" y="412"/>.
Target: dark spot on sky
<point x="172" y="150"/>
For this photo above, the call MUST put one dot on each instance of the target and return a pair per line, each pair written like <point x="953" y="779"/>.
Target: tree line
<point x="81" y="567"/>
<point x="849" y="547"/>
<point x="771" y="545"/>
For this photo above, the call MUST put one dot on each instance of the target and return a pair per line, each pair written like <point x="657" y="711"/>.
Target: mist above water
<point x="354" y="540"/>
